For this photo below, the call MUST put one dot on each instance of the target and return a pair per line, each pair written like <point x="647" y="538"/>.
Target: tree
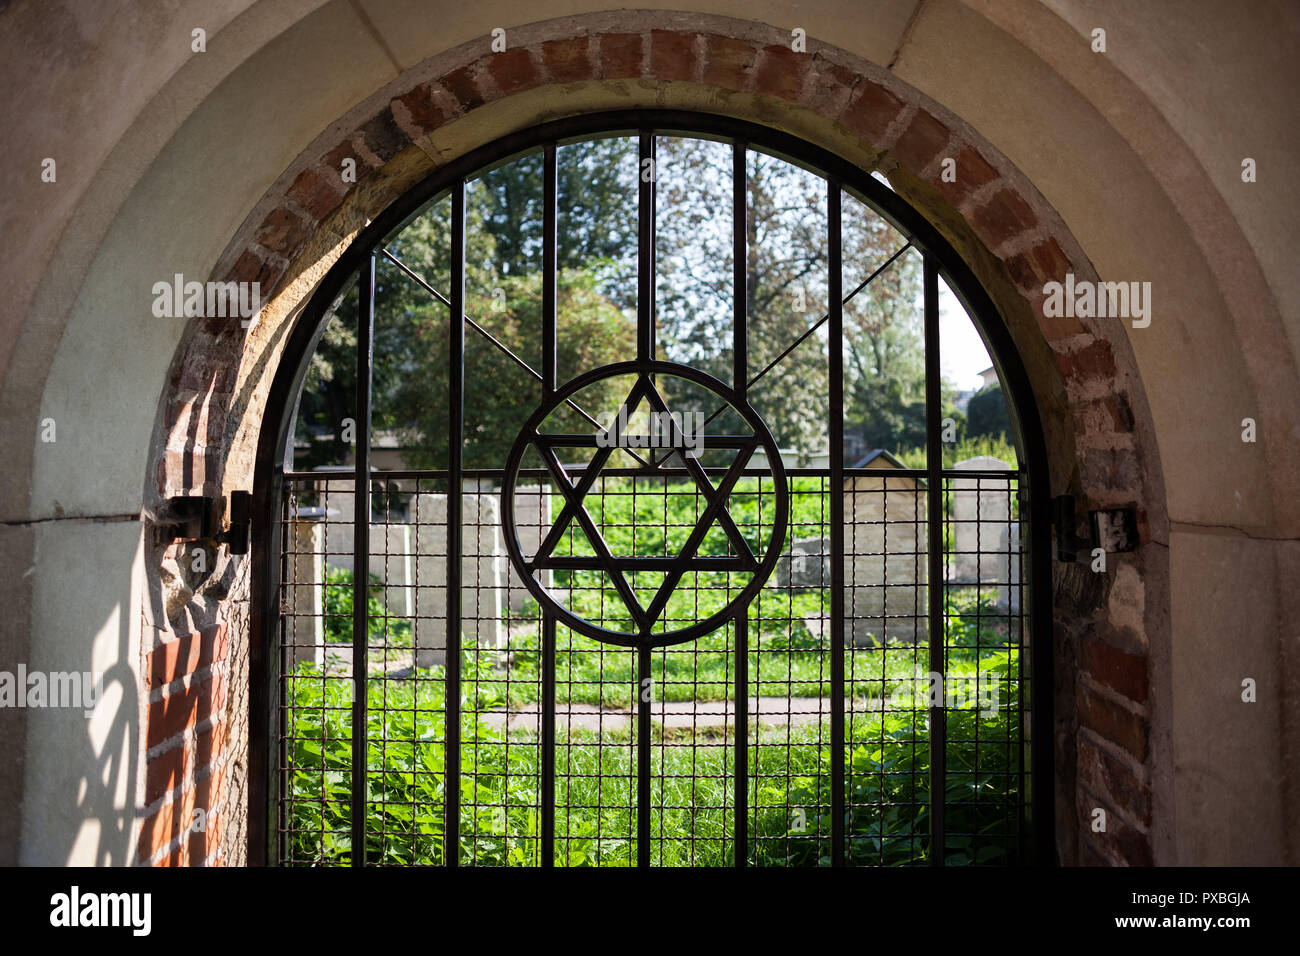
<point x="884" y="349"/>
<point x="785" y="298"/>
<point x="986" y="415"/>
<point x="499" y="394"/>
<point x="503" y="297"/>
<point x="784" y="291"/>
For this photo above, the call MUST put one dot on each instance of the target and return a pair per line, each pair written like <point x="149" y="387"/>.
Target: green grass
<point x="654" y="518"/>
<point x="887" y="760"/>
<point x="886" y="754"/>
<point x="787" y="660"/>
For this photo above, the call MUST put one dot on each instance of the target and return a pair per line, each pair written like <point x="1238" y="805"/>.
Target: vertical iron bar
<point x="645" y="256"/>
<point x="1021" y="623"/>
<point x="645" y="695"/>
<point x="361" y="558"/>
<point x="550" y="257"/>
<point x="645" y="349"/>
<point x="280" y="716"/>
<point x="267" y="655"/>
<point x="739" y="381"/>
<point x="740" y="277"/>
<point x="934" y="547"/>
<point x="835" y="332"/>
<point x="455" y="428"/>
<point x="548" y="740"/>
<point x="1042" y="768"/>
<point x="741" y="781"/>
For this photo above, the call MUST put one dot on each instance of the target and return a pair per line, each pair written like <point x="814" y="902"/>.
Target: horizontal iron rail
<point x="593" y="441"/>
<point x="629" y="472"/>
<point x="817" y="325"/>
<point x="568" y="562"/>
<point x="501" y="346"/>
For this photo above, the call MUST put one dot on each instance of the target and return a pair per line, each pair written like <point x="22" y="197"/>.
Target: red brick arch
<point x="1082" y="372"/>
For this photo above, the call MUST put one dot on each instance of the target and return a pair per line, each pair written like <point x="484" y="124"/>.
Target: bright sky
<point x="962" y="353"/>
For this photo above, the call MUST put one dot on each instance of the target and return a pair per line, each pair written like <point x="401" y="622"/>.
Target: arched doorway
<point x="569" y="677"/>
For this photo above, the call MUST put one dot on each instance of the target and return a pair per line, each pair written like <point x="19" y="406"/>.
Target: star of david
<point x="617" y="568"/>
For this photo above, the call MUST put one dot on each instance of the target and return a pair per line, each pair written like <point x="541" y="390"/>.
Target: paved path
<point x="702" y="715"/>
<point x="674" y="715"/>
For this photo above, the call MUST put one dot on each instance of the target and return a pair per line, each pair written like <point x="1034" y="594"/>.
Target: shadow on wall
<point x="79" y="795"/>
<point x="195" y="725"/>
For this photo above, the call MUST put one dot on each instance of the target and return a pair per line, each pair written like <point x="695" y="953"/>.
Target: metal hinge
<point x="1114" y="530"/>
<point x="194" y="518"/>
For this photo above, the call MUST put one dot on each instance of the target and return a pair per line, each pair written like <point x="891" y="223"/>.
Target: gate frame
<point x="281" y="405"/>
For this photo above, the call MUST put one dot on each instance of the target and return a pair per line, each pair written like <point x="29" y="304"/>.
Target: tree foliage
<point x="986" y="415"/>
<point x="785" y="299"/>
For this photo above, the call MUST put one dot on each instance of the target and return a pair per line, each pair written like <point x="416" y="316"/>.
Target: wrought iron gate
<point x="646" y="644"/>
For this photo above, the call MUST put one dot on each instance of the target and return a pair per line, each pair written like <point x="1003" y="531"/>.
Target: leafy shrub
<point x="887" y="763"/>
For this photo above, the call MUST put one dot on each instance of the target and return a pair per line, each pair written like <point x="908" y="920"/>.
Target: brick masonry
<point x="1103" y="715"/>
<point x="186" y="740"/>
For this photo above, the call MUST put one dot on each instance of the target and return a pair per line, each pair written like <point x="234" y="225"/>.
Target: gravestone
<point x="482" y="569"/>
<point x="304" y="624"/>
<point x="1008" y="595"/>
<point x="411" y="561"/>
<point x="985" y="537"/>
<point x="392" y="560"/>
<point x="392" y="553"/>
<point x="807" y="566"/>
<point x="885" y="556"/>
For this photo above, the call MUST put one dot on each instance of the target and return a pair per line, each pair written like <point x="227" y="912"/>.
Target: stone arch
<point x="1096" y="420"/>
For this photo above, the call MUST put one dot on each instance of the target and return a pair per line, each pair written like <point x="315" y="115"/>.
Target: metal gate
<point x="642" y="638"/>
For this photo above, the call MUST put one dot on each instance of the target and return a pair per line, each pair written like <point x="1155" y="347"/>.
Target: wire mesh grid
<point x="889" y="696"/>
